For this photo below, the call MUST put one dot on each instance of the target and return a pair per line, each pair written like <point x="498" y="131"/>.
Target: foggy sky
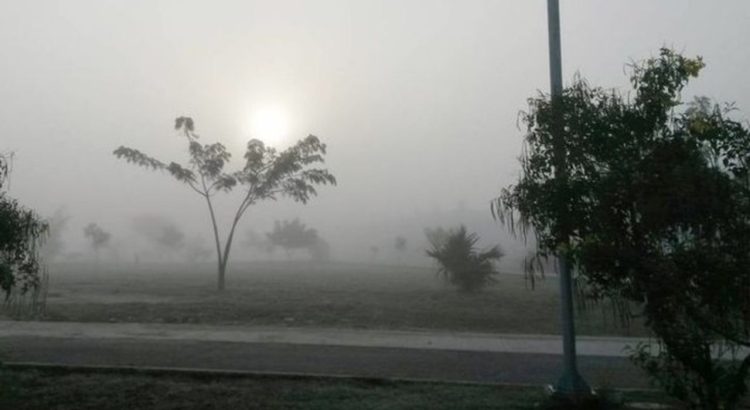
<point x="417" y="100"/>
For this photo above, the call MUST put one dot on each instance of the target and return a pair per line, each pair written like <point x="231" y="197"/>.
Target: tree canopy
<point x="654" y="210"/>
<point x="160" y="231"/>
<point x="399" y="243"/>
<point x="291" y="235"/>
<point x="97" y="236"/>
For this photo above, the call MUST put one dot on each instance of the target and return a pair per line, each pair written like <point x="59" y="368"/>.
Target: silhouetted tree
<point x="266" y="175"/>
<point x="259" y="242"/>
<point x="21" y="233"/>
<point x="291" y="235"/>
<point x="160" y="231"/>
<point x="196" y="250"/>
<point x="53" y="243"/>
<point x="400" y="244"/>
<point x="320" y="250"/>
<point x="651" y="206"/>
<point x="97" y="236"/>
<point x="374" y="251"/>
<point x="460" y="263"/>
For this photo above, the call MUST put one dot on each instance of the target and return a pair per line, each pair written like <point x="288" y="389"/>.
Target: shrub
<point x="460" y="263"/>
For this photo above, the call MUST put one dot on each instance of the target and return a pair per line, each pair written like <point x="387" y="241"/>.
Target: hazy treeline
<point x="158" y="237"/>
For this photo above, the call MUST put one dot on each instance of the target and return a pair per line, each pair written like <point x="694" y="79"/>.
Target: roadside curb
<point x="10" y="324"/>
<point x="322" y="336"/>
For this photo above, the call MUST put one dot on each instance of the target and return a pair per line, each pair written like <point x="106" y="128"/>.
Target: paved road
<point x="526" y="359"/>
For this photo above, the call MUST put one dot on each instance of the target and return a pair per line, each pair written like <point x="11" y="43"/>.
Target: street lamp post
<point x="570" y="384"/>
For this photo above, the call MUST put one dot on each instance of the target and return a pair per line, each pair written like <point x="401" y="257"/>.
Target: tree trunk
<point x="220" y="270"/>
<point x="221" y="266"/>
<point x="220" y="285"/>
<point x="227" y="248"/>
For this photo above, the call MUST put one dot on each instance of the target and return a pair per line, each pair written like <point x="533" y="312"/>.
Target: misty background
<point x="417" y="101"/>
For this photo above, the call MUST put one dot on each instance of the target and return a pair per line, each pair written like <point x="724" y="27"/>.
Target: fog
<point x="418" y="103"/>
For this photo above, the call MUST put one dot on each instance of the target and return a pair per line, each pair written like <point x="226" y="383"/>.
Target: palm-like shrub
<point x="460" y="263"/>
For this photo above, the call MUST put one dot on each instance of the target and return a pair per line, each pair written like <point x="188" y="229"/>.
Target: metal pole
<point x="570" y="384"/>
<point x="555" y="58"/>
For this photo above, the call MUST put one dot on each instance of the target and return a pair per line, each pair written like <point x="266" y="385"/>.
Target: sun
<point x="269" y="124"/>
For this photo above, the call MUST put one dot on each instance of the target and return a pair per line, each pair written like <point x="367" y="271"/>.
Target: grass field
<point x="75" y="390"/>
<point x="306" y="294"/>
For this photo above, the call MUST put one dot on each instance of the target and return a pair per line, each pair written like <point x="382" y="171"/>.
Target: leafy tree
<point x="261" y="243"/>
<point x="320" y="250"/>
<point x="53" y="243"/>
<point x="160" y="231"/>
<point x="460" y="262"/>
<point x="171" y="238"/>
<point x="21" y="234"/>
<point x="196" y="250"/>
<point x="266" y="174"/>
<point x="98" y="237"/>
<point x="291" y="235"/>
<point x="400" y="244"/>
<point x="652" y="208"/>
<point x="374" y="251"/>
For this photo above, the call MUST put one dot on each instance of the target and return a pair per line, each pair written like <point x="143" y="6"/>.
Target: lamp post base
<point x="571" y="387"/>
<point x="583" y="398"/>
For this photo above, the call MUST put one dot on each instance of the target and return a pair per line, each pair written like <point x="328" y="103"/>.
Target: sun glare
<point x="270" y="125"/>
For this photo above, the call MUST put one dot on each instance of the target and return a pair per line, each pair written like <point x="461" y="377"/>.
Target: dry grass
<point x="305" y="294"/>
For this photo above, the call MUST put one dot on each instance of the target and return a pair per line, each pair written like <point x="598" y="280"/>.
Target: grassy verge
<point x="304" y="294"/>
<point x="63" y="389"/>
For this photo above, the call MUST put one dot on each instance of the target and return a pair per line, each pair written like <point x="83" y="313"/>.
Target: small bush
<point x="460" y="263"/>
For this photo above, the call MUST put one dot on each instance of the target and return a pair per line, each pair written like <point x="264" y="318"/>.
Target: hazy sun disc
<point x="270" y="125"/>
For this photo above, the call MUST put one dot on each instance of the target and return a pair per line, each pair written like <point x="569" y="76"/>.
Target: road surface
<point x="445" y="356"/>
